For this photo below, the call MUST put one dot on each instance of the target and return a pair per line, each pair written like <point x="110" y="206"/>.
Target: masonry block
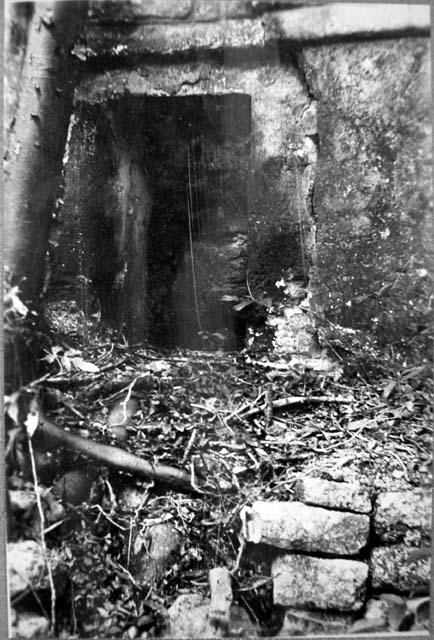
<point x="303" y="581"/>
<point x="141" y="10"/>
<point x="403" y="515"/>
<point x="298" y="527"/>
<point x="400" y="567"/>
<point x="335" y="495"/>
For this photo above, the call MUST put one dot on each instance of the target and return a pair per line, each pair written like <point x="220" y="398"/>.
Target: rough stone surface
<point x="403" y="515"/>
<point x="348" y="19"/>
<point x="132" y="497"/>
<point x="399" y="567"/>
<point x="26" y="565"/>
<point x="106" y="43"/>
<point x="74" y="487"/>
<point x="141" y="10"/>
<point x="153" y="551"/>
<point x="302" y="622"/>
<point x="376" y="609"/>
<point x="22" y="500"/>
<point x="374" y="124"/>
<point x="301" y="25"/>
<point x="294" y="333"/>
<point x="30" y="625"/>
<point x="188" y="616"/>
<point x="298" y="527"/>
<point x="303" y="581"/>
<point x="335" y="495"/>
<point x="209" y="10"/>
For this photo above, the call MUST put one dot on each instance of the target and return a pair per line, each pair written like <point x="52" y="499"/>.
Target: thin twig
<point x="189" y="446"/>
<point x="107" y="517"/>
<point x="43" y="542"/>
<point x="294" y="400"/>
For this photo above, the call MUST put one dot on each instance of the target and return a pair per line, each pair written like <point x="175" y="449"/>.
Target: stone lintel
<point x="332" y="22"/>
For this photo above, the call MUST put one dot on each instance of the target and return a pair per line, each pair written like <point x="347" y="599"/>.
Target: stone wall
<point x="343" y="558"/>
<point x="338" y="189"/>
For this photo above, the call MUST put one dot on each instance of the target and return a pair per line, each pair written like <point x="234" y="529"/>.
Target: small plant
<point x="68" y="360"/>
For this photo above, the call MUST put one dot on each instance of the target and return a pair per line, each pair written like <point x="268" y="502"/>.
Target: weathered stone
<point x="188" y="616"/>
<point x="400" y="568"/>
<point x="403" y="514"/>
<point x="309" y="119"/>
<point x="26" y="566"/>
<point x="122" y="412"/>
<point x="294" y="332"/>
<point x="374" y="124"/>
<point x="22" y="500"/>
<point x="301" y="25"/>
<point x="376" y="610"/>
<point x="336" y="495"/>
<point x="132" y="497"/>
<point x="31" y="626"/>
<point x="153" y="551"/>
<point x="348" y="19"/>
<point x="209" y="10"/>
<point x="303" y="581"/>
<point x="141" y="10"/>
<point x="299" y="527"/>
<point x="306" y="622"/>
<point x="74" y="487"/>
<point x="172" y="38"/>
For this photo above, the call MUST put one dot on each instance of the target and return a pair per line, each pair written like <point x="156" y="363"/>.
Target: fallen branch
<point x="115" y="457"/>
<point x="294" y="400"/>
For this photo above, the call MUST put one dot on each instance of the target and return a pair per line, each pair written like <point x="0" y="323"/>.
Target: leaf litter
<point x="244" y="427"/>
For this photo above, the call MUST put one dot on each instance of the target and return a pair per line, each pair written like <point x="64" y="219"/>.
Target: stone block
<point x="22" y="500"/>
<point x="30" y="625"/>
<point x="317" y="583"/>
<point x="399" y="567"/>
<point x="403" y="515"/>
<point x="294" y="332"/>
<point x="335" y="495"/>
<point x="362" y="90"/>
<point x="154" y="551"/>
<point x="26" y="566"/>
<point x="146" y="39"/>
<point x="347" y="19"/>
<point x="132" y="498"/>
<point x="210" y="10"/>
<point x="298" y="527"/>
<point x="188" y="616"/>
<point x="376" y="609"/>
<point x="141" y="10"/>
<point x="309" y="119"/>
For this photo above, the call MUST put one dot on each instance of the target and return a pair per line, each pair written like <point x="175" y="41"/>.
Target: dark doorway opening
<point x="197" y="160"/>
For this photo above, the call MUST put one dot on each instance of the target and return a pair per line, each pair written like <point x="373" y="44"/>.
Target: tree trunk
<point x="40" y="103"/>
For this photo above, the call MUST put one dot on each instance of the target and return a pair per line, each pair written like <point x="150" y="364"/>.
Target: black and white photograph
<point x="218" y="266"/>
